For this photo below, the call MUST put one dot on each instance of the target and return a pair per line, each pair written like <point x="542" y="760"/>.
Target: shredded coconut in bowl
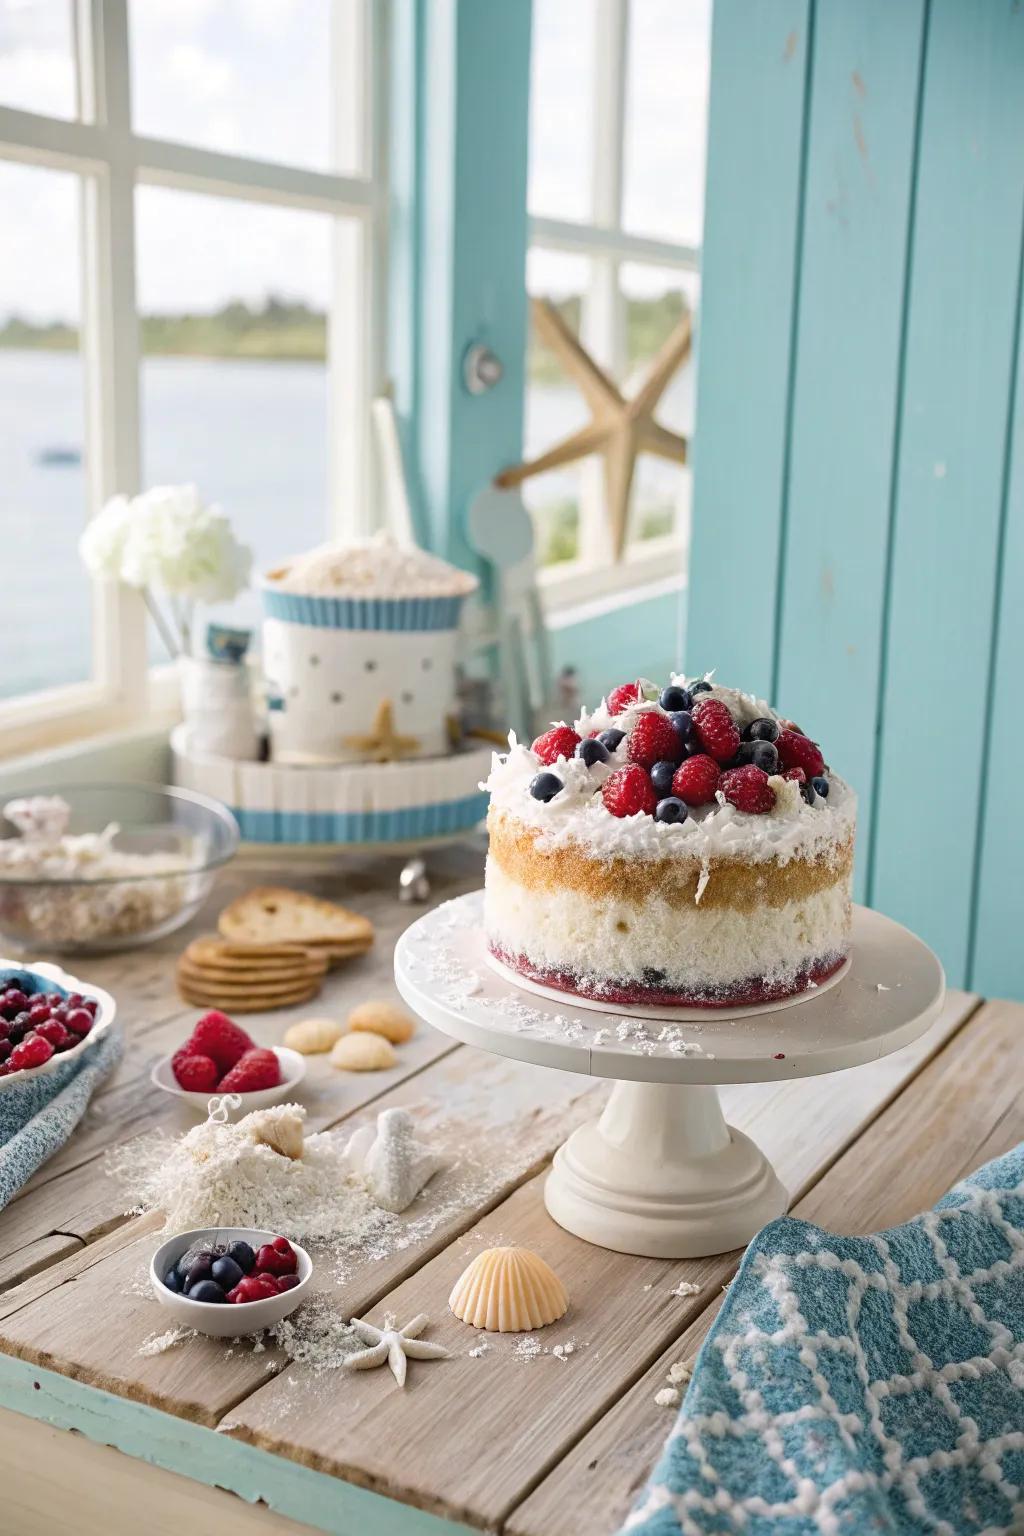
<point x="374" y="567"/>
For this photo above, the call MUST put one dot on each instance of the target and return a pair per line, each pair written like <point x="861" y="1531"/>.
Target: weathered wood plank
<point x="478" y="1433"/>
<point x="495" y="1120"/>
<point x="39" y="1253"/>
<point x="965" y="1107"/>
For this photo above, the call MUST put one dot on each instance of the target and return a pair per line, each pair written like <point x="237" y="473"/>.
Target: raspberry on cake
<point x="704" y="859"/>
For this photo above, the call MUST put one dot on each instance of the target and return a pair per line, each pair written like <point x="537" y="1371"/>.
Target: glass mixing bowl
<point x="135" y="862"/>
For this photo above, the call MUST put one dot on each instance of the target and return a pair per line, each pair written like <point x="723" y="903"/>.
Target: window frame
<point x="608" y="245"/>
<point x="101" y="146"/>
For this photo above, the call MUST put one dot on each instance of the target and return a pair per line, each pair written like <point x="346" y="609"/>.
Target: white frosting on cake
<point x="374" y="567"/>
<point x="693" y="948"/>
<point x="577" y="815"/>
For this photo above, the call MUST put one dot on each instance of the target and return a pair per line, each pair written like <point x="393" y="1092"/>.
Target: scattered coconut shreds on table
<point x="159" y="1343"/>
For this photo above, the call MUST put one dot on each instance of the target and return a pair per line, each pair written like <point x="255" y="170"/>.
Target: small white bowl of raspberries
<point x="47" y="1018"/>
<point x="226" y="1281"/>
<point x="220" y="1057"/>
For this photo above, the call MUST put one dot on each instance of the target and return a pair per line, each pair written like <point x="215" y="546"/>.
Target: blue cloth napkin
<point x="38" y="1113"/>
<point x="855" y="1385"/>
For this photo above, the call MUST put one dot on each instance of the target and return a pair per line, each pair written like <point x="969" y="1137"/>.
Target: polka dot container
<point x="332" y="662"/>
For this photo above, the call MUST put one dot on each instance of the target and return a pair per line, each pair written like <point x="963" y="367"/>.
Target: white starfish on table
<point x="395" y="1345"/>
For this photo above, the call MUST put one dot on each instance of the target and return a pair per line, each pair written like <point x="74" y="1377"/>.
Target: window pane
<point x="245" y="78"/>
<point x="554" y="408"/>
<point x="666" y="118"/>
<point x="37" y="70"/>
<point x="561" y="114"/>
<point x="42" y="434"/>
<point x="234" y="382"/>
<point x="656" y="301"/>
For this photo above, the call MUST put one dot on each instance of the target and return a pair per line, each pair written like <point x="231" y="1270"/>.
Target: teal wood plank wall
<point x="858" y="547"/>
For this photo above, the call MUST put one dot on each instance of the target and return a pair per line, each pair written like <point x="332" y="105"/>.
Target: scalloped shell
<point x="508" y="1290"/>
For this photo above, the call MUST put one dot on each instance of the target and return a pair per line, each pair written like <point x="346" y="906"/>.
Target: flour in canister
<point x="374" y="567"/>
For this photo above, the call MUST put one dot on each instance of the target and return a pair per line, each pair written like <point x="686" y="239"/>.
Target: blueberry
<point x="820" y="787"/>
<point x="199" y="1270"/>
<point x="662" y="775"/>
<point x="670" y="809"/>
<point x="592" y="751"/>
<point x="807" y="793"/>
<point x="188" y="1258"/>
<point x="700" y="687"/>
<point x="172" y="1280"/>
<point x="545" y="786"/>
<point x="611" y="738"/>
<point x="763" y="754"/>
<point x="226" y="1272"/>
<point x="243" y="1255"/>
<point x="744" y="755"/>
<point x="762" y="730"/>
<point x="675" y="698"/>
<point x="686" y="730"/>
<point x="206" y="1290"/>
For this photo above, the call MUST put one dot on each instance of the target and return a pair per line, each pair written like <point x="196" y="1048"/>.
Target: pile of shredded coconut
<point x="375" y="567"/>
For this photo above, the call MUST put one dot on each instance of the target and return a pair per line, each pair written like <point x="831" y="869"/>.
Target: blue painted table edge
<point x="209" y="1456"/>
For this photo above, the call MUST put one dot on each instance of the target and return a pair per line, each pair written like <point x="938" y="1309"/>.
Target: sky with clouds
<point x="252" y="77"/>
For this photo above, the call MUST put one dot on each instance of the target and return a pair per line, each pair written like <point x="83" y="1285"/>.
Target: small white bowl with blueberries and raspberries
<point x="47" y="1018"/>
<point x="225" y="1281"/>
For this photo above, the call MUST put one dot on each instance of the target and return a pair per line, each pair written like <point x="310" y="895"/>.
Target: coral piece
<point x="394" y="1164"/>
<point x="395" y="1345"/>
<point x="508" y="1290"/>
<point x="280" y="1128"/>
<point x="311" y="1036"/>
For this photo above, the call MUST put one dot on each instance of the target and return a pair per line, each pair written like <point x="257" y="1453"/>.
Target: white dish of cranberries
<point x="46" y="1018"/>
<point x="221" y="1267"/>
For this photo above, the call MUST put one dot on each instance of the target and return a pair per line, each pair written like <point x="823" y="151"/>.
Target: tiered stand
<point x="660" y="1172"/>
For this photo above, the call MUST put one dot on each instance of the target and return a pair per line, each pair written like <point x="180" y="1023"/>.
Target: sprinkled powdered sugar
<point x="374" y="567"/>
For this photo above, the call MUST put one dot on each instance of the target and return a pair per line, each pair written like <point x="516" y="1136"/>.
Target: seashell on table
<point x="508" y="1290"/>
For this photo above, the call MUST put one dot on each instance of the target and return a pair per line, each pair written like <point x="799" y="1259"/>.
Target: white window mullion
<point x="603" y="319"/>
<point x="110" y="338"/>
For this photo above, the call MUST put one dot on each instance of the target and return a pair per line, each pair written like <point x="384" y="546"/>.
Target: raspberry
<point x="560" y="741"/>
<point x="654" y="739"/>
<point x="623" y="696"/>
<point x="797" y="774"/>
<point x="219" y="1038"/>
<point x="716" y="729"/>
<point x="627" y="791"/>
<point x="194" y="1073"/>
<point x="257" y="1069"/>
<point x="696" y="780"/>
<point x="796" y="751"/>
<point x="748" y="789"/>
<point x="276" y="1261"/>
<point x="31" y="1052"/>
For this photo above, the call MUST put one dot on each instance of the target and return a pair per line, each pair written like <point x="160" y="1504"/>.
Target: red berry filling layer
<point x="743" y="993"/>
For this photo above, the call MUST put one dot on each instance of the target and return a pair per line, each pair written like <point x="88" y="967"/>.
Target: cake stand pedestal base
<point x="661" y="1174"/>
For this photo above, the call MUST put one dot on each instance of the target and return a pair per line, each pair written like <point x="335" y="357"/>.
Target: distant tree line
<point x="290" y="330"/>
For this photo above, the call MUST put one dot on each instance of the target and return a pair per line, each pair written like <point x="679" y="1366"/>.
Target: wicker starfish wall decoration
<point x="619" y="428"/>
<point x="383" y="744"/>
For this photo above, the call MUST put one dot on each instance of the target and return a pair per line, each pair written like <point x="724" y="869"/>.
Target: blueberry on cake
<point x="687" y="847"/>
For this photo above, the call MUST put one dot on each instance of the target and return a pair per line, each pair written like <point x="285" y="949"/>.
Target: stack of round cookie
<point x="248" y="978"/>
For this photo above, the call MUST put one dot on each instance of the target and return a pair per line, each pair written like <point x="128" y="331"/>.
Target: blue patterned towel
<point x="38" y="1114"/>
<point x="856" y="1385"/>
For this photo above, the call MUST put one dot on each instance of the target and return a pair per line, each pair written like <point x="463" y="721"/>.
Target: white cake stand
<point x="660" y="1173"/>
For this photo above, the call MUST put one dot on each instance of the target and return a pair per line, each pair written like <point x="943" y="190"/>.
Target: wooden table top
<point x="532" y="1446"/>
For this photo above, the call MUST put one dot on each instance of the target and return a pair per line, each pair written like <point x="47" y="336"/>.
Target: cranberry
<point x="92" y="1005"/>
<point x="5" y="1049"/>
<point x="14" y="1001"/>
<point x="38" y="1013"/>
<point x="32" y="1052"/>
<point x="5" y="1029"/>
<point x="53" y="998"/>
<point x="74" y="1000"/>
<point x="78" y="1020"/>
<point x="272" y="1261"/>
<point x="54" y="1031"/>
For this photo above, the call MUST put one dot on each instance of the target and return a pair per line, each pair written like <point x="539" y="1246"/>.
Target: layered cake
<point x="681" y="847"/>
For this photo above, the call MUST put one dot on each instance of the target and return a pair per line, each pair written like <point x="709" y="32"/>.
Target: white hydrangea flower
<point x="171" y="542"/>
<point x="102" y="544"/>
